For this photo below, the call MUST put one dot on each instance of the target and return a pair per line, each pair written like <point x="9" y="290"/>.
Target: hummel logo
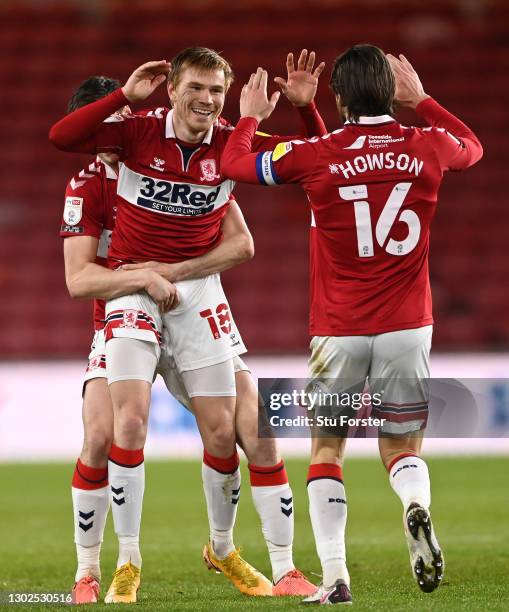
<point x="86" y="516"/>
<point x="158" y="164"/>
<point x="235" y="496"/>
<point x="336" y="500"/>
<point x="286" y="502"/>
<point x="118" y="500"/>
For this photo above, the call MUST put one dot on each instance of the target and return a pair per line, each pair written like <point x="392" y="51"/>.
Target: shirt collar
<point x="170" y="131"/>
<point x="110" y="173"/>
<point x="365" y="120"/>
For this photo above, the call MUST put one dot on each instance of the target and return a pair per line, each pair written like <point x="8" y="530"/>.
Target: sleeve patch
<point x="73" y="210"/>
<point x="70" y="229"/>
<point x="265" y="169"/>
<point x="281" y="150"/>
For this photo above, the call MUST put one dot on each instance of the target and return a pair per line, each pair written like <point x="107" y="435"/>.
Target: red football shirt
<point x="90" y="208"/>
<point x="169" y="209"/>
<point x="372" y="188"/>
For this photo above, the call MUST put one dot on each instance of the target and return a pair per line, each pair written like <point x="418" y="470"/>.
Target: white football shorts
<point x="166" y="368"/>
<point x="96" y="367"/>
<point x="200" y="331"/>
<point x="395" y="364"/>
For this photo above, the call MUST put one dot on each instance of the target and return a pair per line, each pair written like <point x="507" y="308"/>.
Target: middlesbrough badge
<point x="208" y="170"/>
<point x="130" y="318"/>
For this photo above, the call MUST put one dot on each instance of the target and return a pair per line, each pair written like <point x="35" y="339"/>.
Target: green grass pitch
<point x="470" y="511"/>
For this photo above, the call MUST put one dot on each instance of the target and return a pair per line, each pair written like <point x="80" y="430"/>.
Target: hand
<point x="145" y="80"/>
<point x="253" y="99"/>
<point x="161" y="291"/>
<point x="300" y="85"/>
<point x="409" y="90"/>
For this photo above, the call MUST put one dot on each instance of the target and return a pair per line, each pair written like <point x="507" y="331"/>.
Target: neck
<point x="112" y="165"/>
<point x="182" y="131"/>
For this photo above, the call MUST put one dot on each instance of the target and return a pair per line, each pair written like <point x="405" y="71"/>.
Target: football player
<point x="372" y="188"/>
<point x="206" y="206"/>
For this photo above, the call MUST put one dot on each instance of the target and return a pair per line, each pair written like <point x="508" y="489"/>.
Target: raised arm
<point x="86" y="279"/>
<point x="294" y="161"/>
<point x="235" y="248"/>
<point x="456" y="145"/>
<point x="300" y="88"/>
<point x="465" y="149"/>
<point x="84" y="130"/>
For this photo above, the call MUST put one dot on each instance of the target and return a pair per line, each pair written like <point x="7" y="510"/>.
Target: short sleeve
<point x="83" y="209"/>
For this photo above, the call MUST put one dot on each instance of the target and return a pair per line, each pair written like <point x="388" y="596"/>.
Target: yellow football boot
<point x="243" y="576"/>
<point x="125" y="584"/>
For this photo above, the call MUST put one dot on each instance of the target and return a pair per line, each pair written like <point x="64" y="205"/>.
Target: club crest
<point x="208" y="170"/>
<point x="94" y="363"/>
<point x="130" y="318"/>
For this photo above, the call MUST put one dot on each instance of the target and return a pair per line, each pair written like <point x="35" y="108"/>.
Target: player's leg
<point x="337" y="365"/>
<point x="204" y="340"/>
<point x="212" y="393"/>
<point x="132" y="352"/>
<point x="90" y="491"/>
<point x="401" y="368"/>
<point x="271" y="491"/>
<point x="328" y="513"/>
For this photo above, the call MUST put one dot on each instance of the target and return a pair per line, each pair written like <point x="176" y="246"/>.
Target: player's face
<point x="198" y="98"/>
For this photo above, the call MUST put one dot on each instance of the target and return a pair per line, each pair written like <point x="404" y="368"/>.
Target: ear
<point x="171" y="93"/>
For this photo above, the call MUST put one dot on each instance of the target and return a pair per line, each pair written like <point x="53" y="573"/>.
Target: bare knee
<point x="131" y="401"/>
<point x="219" y="439"/>
<point x="130" y="429"/>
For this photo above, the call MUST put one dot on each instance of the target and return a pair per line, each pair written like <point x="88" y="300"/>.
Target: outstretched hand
<point x="409" y="90"/>
<point x="253" y="99"/>
<point x="145" y="80"/>
<point x="301" y="84"/>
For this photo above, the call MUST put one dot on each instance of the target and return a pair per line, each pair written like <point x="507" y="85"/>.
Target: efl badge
<point x="130" y="318"/>
<point x="208" y="170"/>
<point x="281" y="150"/>
<point x="73" y="210"/>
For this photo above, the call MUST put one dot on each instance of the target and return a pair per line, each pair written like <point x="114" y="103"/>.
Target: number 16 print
<point x="385" y="222"/>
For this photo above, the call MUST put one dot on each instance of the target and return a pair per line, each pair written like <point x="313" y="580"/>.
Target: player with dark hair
<point x="372" y="187"/>
<point x="87" y="224"/>
<point x="184" y="146"/>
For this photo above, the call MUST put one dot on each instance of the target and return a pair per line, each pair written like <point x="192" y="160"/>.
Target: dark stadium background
<point x="459" y="47"/>
<point x="47" y="48"/>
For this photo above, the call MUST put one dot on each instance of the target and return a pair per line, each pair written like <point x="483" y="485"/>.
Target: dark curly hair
<point x="94" y="88"/>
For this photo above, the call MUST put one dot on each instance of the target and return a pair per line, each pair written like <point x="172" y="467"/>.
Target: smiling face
<point x="197" y="100"/>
